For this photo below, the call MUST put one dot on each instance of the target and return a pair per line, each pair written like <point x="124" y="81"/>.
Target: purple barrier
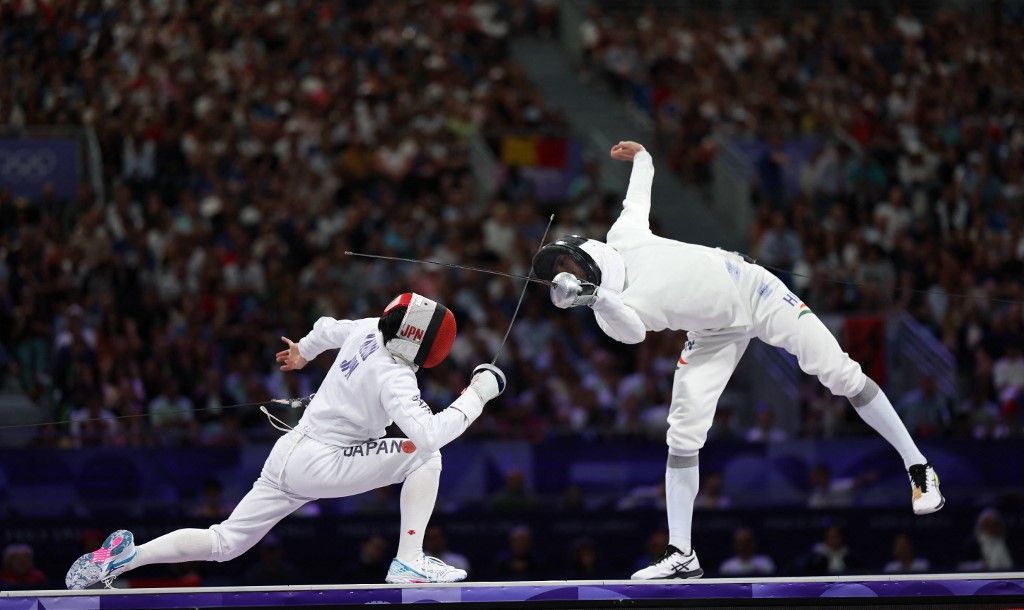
<point x="754" y="475"/>
<point x="947" y="588"/>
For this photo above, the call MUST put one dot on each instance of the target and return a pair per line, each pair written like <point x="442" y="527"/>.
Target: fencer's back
<point x="681" y="286"/>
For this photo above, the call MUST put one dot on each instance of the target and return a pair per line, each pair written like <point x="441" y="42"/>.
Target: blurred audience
<point x="829" y="492"/>
<point x="574" y="499"/>
<point x="651" y="497"/>
<point x="238" y="173"/>
<point x="988" y="549"/>
<point x="829" y="556"/>
<point x="712" y="493"/>
<point x="904" y="561"/>
<point x="211" y="504"/>
<point x="381" y="500"/>
<point x="18" y="570"/>
<point x="272" y="568"/>
<point x="764" y="429"/>
<point x="519" y="561"/>
<point x="746" y="561"/>
<point x="92" y="425"/>
<point x="584" y="561"/>
<point x="174" y="575"/>
<point x="238" y="167"/>
<point x="514" y="496"/>
<point x="243" y="152"/>
<point x="371" y="563"/>
<point x="435" y="544"/>
<point x="879" y="153"/>
<point x="654" y="549"/>
<point x="924" y="411"/>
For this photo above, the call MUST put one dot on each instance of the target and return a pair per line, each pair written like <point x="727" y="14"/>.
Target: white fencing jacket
<point x="367" y="388"/>
<point x="668" y="284"/>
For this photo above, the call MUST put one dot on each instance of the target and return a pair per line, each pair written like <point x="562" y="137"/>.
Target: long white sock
<point x="880" y="415"/>
<point x="179" y="546"/>
<point x="681" y="482"/>
<point x="419" y="492"/>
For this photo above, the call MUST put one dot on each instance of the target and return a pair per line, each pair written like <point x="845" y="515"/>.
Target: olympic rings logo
<point x="26" y="164"/>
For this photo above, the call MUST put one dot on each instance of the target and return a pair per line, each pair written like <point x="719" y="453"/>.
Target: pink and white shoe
<point x="104" y="564"/>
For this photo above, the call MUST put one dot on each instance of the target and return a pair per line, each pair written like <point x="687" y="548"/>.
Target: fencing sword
<point x="527" y="278"/>
<point x="522" y="294"/>
<point x="420" y="261"/>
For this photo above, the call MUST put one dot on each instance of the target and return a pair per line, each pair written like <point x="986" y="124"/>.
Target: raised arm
<point x="636" y="207"/>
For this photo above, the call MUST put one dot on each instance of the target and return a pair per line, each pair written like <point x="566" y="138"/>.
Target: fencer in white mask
<point x="638" y="282"/>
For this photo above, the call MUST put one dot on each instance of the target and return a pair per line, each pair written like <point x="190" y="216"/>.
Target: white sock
<point x="879" y="414"/>
<point x="419" y="492"/>
<point x="179" y="546"/>
<point x="681" y="482"/>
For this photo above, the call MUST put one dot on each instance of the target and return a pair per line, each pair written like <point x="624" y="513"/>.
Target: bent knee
<point x="866" y="395"/>
<point x="847" y="380"/>
<point x="687" y="434"/>
<point x="228" y="544"/>
<point x="686" y="441"/>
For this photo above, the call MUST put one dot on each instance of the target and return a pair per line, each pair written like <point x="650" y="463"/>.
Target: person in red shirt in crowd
<point x="19" y="570"/>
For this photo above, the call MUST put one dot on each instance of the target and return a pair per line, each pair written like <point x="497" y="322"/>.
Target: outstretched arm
<point x="636" y="207"/>
<point x="430" y="431"/>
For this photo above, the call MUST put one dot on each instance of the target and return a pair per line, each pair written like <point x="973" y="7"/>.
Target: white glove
<point x="568" y="291"/>
<point x="488" y="382"/>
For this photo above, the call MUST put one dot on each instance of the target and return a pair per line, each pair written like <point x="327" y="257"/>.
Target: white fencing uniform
<point x="650" y="283"/>
<point x="722" y="300"/>
<point x="709" y="357"/>
<point x="336" y="449"/>
<point x="367" y="388"/>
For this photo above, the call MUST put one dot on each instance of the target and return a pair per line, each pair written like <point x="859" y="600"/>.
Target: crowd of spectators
<point x="885" y="148"/>
<point x="246" y="148"/>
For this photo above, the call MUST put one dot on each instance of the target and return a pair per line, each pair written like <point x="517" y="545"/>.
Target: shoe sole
<point x="85" y="572"/>
<point x="418" y="581"/>
<point x="409" y="576"/>
<point x="684" y="576"/>
<point x="928" y="511"/>
<point x="405" y="582"/>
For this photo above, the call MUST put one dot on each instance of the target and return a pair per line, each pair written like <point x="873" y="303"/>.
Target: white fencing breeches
<point x="709" y="358"/>
<point x="300" y="469"/>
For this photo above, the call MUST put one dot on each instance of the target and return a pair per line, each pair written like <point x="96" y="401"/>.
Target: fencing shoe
<point x="424" y="569"/>
<point x="103" y="564"/>
<point x="674" y="564"/>
<point x="924" y="489"/>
